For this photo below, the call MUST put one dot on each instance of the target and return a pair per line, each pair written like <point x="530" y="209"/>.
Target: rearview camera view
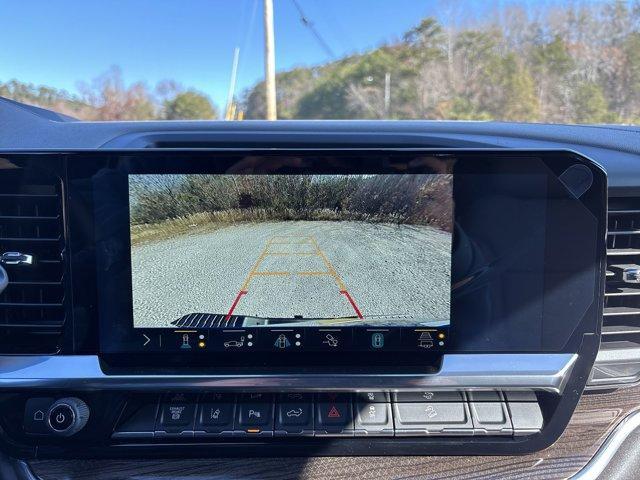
<point x="308" y="250"/>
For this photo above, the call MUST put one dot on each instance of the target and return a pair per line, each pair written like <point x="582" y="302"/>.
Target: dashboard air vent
<point x="32" y="306"/>
<point x="619" y="357"/>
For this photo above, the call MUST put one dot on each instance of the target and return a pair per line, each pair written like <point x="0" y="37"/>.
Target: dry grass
<point x="209" y="221"/>
<point x="193" y="224"/>
<point x="171" y="228"/>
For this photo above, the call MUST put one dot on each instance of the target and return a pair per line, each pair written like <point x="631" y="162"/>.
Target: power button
<point x="61" y="417"/>
<point x="67" y="416"/>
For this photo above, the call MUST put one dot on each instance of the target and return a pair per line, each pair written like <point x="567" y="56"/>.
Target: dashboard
<point x="346" y="291"/>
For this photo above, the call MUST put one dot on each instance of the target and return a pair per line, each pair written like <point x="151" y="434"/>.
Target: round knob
<point x="67" y="416"/>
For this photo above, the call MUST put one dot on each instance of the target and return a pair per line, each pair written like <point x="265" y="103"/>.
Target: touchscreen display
<point x="397" y="255"/>
<point x="291" y="251"/>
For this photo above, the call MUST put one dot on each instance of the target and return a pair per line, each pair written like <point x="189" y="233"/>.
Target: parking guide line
<point x="235" y="302"/>
<point x="353" y="303"/>
<point x="328" y="264"/>
<point x="334" y="273"/>
<point x="256" y="265"/>
<point x="301" y="240"/>
<point x="306" y="240"/>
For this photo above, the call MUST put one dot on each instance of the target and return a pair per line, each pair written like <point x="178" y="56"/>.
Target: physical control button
<point x="372" y="413"/>
<point x="428" y="396"/>
<point x="373" y="419"/>
<point x="447" y="418"/>
<point x="177" y="416"/>
<point x="334" y="418"/>
<point x="67" y="416"/>
<point x="526" y="417"/>
<point x="255" y="418"/>
<point x="490" y="418"/>
<point x="295" y="413"/>
<point x="35" y="411"/>
<point x="61" y="417"/>
<point x="294" y="418"/>
<point x="215" y="416"/>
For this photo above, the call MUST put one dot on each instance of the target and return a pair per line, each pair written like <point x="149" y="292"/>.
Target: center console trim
<point x="546" y="372"/>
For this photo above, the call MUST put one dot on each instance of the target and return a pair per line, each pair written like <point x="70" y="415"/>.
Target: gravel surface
<point x="386" y="270"/>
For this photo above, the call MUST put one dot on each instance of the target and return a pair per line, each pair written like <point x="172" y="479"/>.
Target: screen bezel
<point x="114" y="342"/>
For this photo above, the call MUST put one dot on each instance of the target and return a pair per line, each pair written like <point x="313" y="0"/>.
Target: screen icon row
<point x="289" y="339"/>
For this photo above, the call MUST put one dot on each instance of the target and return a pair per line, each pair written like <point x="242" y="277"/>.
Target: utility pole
<point x="269" y="61"/>
<point x="387" y="94"/>
<point x="232" y="84"/>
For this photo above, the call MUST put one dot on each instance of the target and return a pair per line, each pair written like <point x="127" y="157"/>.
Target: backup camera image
<point x="309" y="250"/>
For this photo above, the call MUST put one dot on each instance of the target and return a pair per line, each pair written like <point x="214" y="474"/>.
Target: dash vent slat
<point x="32" y="307"/>
<point x="621" y="322"/>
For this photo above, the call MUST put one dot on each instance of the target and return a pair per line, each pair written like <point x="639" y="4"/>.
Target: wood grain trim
<point x="594" y="418"/>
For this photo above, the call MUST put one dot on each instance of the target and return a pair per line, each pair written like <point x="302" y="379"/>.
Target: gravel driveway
<point x="306" y="268"/>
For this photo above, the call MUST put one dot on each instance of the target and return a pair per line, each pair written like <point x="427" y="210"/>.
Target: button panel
<point x="330" y="414"/>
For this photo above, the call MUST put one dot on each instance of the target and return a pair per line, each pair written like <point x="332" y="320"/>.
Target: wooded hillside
<point x="576" y="64"/>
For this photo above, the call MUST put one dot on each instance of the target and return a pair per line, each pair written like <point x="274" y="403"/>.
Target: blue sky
<point x="60" y="42"/>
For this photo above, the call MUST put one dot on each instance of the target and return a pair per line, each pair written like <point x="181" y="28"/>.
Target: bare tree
<point x="113" y="100"/>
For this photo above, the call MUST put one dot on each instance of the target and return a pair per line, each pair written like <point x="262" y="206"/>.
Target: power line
<point x="341" y="35"/>
<point x="309" y="24"/>
<point x="249" y="31"/>
<point x="241" y="22"/>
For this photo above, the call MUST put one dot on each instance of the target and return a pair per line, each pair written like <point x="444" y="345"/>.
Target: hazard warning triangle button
<point x="333" y="417"/>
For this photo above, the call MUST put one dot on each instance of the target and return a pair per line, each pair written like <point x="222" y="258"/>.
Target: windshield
<point x="522" y="61"/>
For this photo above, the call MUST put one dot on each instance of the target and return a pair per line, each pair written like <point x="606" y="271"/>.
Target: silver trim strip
<point x="548" y="372"/>
<point x="594" y="468"/>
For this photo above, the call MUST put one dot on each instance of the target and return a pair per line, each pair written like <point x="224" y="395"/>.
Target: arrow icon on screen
<point x="148" y="340"/>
